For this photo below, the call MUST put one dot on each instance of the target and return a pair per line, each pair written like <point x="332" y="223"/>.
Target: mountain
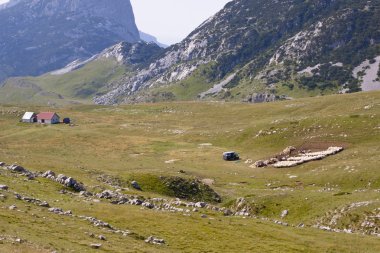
<point x="80" y="81"/>
<point x="150" y="38"/>
<point x="252" y="51"/>
<point x="38" y="36"/>
<point x="273" y="48"/>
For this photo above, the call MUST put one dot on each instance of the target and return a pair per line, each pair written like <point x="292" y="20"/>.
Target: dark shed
<point x="66" y="121"/>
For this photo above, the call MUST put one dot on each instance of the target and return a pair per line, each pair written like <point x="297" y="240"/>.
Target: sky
<point x="172" y="20"/>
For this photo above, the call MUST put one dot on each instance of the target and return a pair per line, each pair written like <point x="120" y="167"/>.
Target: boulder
<point x="135" y="202"/>
<point x="148" y="205"/>
<point x="69" y="182"/>
<point x="95" y="245"/>
<point x="61" y="178"/>
<point x="44" y="204"/>
<point x="13" y="207"/>
<point x="200" y="204"/>
<point x="154" y="240"/>
<point x="56" y="210"/>
<point x="16" y="168"/>
<point x="49" y="174"/>
<point x="3" y="187"/>
<point x="259" y="164"/>
<point x="135" y="185"/>
<point x="284" y="213"/>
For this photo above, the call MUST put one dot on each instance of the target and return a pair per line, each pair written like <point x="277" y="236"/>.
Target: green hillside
<point x="156" y="144"/>
<point x="78" y="86"/>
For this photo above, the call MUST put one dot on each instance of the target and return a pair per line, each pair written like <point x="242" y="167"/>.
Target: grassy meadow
<point x="143" y="142"/>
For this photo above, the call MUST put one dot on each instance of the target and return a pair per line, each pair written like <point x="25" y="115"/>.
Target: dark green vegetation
<point x="167" y="147"/>
<point x="329" y="77"/>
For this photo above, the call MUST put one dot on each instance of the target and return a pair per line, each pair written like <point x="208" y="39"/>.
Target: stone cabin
<point x="48" y="118"/>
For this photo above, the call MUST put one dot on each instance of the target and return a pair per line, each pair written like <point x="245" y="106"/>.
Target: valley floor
<point x="108" y="147"/>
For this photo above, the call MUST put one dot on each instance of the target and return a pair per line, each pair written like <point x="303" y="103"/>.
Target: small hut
<point x="29" y="117"/>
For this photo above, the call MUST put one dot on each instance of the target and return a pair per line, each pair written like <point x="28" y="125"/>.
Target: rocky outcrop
<point x="64" y="180"/>
<point x="364" y="223"/>
<point x="154" y="240"/>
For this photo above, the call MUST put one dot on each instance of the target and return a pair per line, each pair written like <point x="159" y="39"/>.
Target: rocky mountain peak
<point x="41" y="35"/>
<point x="248" y="39"/>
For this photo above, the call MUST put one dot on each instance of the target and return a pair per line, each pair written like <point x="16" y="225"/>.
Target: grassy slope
<point x="79" y="85"/>
<point x="137" y="140"/>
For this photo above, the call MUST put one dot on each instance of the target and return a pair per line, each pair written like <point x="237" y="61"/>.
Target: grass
<point x="134" y="142"/>
<point x="78" y="86"/>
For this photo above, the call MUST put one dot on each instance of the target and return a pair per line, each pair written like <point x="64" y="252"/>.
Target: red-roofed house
<point x="48" y="118"/>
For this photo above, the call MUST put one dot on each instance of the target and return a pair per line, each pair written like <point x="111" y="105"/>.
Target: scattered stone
<point x="301" y="225"/>
<point x="259" y="164"/>
<point x="44" y="204"/>
<point x="148" y="205"/>
<point x="16" y="168"/>
<point x="3" y="187"/>
<point x="154" y="240"/>
<point x="135" y="202"/>
<point x="21" y="170"/>
<point x="135" y="185"/>
<point x="64" y="180"/>
<point x="97" y="223"/>
<point x="49" y="174"/>
<point x="2" y="164"/>
<point x="102" y="237"/>
<point x="13" y="207"/>
<point x="95" y="245"/>
<point x="284" y="213"/>
<point x="107" y="194"/>
<point x="204" y="216"/>
<point x="56" y="210"/>
<point x="200" y="204"/>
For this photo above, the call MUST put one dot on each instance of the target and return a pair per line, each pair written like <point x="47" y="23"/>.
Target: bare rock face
<point x="38" y="36"/>
<point x="249" y="37"/>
